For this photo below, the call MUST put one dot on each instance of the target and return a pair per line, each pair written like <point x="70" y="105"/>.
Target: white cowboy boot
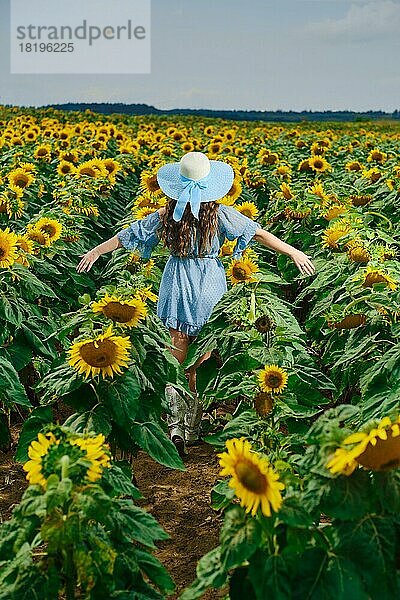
<point x="175" y="420"/>
<point x="192" y="419"/>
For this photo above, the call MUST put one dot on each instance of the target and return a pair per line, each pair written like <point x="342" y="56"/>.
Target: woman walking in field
<point x="193" y="226"/>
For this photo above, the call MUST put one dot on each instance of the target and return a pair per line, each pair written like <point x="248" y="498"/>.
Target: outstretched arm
<point x="90" y="257"/>
<point x="270" y="240"/>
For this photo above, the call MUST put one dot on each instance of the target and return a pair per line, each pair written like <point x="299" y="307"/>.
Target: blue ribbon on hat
<point x="191" y="193"/>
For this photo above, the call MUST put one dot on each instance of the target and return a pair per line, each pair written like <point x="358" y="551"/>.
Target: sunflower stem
<point x="353" y="302"/>
<point x="70" y="574"/>
<point x="371" y="212"/>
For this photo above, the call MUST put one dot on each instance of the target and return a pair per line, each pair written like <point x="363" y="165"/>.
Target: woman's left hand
<point x="303" y="262"/>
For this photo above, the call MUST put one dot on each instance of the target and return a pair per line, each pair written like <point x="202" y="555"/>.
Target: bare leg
<point x="192" y="370"/>
<point x="181" y="340"/>
<point x="176" y="401"/>
<point x="195" y="410"/>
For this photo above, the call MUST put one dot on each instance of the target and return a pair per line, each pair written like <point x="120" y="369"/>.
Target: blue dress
<point x="191" y="286"/>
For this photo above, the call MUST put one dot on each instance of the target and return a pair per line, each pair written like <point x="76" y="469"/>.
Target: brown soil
<point x="179" y="500"/>
<point x="12" y="479"/>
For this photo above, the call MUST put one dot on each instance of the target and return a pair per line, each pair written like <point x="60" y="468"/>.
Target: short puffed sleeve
<point x="235" y="225"/>
<point x="141" y="235"/>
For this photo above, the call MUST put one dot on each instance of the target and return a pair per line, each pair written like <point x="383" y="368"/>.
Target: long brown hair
<point x="180" y="237"/>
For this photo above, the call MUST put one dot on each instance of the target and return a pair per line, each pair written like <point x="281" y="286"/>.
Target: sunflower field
<point x="301" y="392"/>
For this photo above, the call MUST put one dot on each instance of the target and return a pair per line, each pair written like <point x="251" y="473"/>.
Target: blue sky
<point x="254" y="54"/>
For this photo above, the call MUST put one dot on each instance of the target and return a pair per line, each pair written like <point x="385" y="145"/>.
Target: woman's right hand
<point x="88" y="260"/>
<point x="303" y="262"/>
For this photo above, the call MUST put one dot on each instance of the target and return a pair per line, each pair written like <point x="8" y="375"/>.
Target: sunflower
<point x="353" y="165"/>
<point x="187" y="146"/>
<point x="28" y="167"/>
<point x="20" y="178"/>
<point x="349" y="321"/>
<point x="146" y="294"/>
<point x="241" y="270"/>
<point x="105" y="354"/>
<point x="69" y="156"/>
<point x="377" y="448"/>
<point x="8" y="248"/>
<point x="373" y="175"/>
<point x="96" y="452"/>
<point x="318" y="190"/>
<point x="249" y="209"/>
<point x="43" y="152"/>
<point x="37" y="451"/>
<point x="65" y="167"/>
<point x="227" y="247"/>
<point x="30" y="135"/>
<point x="16" y="191"/>
<point x="125" y="312"/>
<point x="25" y="246"/>
<point x="319" y="164"/>
<point x="334" y="211"/>
<point x="149" y="183"/>
<point x="286" y="192"/>
<point x="385" y="252"/>
<point x="263" y="404"/>
<point x="376" y="275"/>
<point x="148" y="267"/>
<point x="37" y="236"/>
<point x="252" y="478"/>
<point x="233" y="194"/>
<point x="144" y="211"/>
<point x="304" y="165"/>
<point x="283" y="171"/>
<point x="272" y="379"/>
<point x="333" y="233"/>
<point x="87" y="458"/>
<point x="88" y="210"/>
<point x="112" y="166"/>
<point x="264" y="323"/>
<point x="269" y="158"/>
<point x="91" y="168"/>
<point x="357" y="252"/>
<point x="377" y="156"/>
<point x="50" y="229"/>
<point x="360" y="200"/>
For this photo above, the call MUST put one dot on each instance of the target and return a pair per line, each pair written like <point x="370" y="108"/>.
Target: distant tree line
<point x="237" y="115"/>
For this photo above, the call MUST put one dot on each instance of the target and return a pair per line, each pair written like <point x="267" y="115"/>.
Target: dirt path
<point x="180" y="501"/>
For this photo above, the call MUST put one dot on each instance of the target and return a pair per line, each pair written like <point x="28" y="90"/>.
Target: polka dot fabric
<point x="191" y="286"/>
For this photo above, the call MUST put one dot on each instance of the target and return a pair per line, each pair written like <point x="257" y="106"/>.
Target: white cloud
<point x="375" y="19"/>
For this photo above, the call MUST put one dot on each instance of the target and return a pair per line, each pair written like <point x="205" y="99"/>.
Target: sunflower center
<point x="88" y="171"/>
<point x="232" y="191"/>
<point x="240" y="273"/>
<point x="318" y="164"/>
<point x="48" y="230"/>
<point x="383" y="456"/>
<point x="152" y="184"/>
<point x="21" y="182"/>
<point x="2" y="253"/>
<point x="103" y="356"/>
<point x="121" y="313"/>
<point x="274" y="380"/>
<point x="251" y="477"/>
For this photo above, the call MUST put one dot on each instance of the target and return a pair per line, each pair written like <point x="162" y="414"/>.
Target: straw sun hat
<point x="194" y="179"/>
